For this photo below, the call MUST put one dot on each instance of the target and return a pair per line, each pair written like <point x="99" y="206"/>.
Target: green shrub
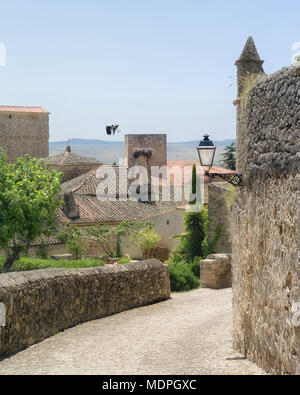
<point x="124" y="259"/>
<point x="27" y="264"/>
<point x="182" y="278"/>
<point x="195" y="266"/>
<point x="145" y="239"/>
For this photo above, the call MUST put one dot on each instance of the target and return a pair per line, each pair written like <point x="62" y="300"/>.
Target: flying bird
<point x="112" y="129"/>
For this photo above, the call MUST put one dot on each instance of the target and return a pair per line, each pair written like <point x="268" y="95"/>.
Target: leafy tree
<point x="29" y="198"/>
<point x="146" y="239"/>
<point x="230" y="156"/>
<point x="194" y="242"/>
<point x="104" y="235"/>
<point x="71" y="236"/>
<point x="196" y="224"/>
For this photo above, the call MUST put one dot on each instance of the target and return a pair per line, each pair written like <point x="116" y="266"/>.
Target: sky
<point x="152" y="66"/>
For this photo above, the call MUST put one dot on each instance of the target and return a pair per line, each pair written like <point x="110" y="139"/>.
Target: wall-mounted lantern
<point x="207" y="152"/>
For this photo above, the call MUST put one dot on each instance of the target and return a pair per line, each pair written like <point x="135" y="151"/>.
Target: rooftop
<point x="23" y="109"/>
<point x="69" y="158"/>
<point x="186" y="167"/>
<point x="250" y="53"/>
<point x="92" y="210"/>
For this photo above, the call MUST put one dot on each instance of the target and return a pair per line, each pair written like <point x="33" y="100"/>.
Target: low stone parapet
<point x="38" y="304"/>
<point x="215" y="271"/>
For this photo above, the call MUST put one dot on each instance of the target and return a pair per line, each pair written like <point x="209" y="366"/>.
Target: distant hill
<point x="109" y="152"/>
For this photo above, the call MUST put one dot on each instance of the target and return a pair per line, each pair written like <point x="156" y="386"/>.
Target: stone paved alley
<point x="189" y="334"/>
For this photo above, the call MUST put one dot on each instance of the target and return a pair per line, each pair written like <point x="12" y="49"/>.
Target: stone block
<point x="215" y="271"/>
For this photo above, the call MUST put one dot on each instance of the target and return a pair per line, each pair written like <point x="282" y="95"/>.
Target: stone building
<point x="71" y="164"/>
<point x="266" y="217"/>
<point x="24" y="130"/>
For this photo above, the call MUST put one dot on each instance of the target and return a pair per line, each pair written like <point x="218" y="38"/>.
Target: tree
<point x="71" y="237"/>
<point x="105" y="234"/>
<point x="145" y="239"/>
<point x="194" y="242"/>
<point x="194" y="185"/>
<point x="29" y="198"/>
<point x="230" y="156"/>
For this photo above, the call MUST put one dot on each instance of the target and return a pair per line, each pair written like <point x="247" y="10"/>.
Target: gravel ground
<point x="189" y="334"/>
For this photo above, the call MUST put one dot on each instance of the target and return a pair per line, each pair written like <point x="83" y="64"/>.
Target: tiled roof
<point x="70" y="159"/>
<point x="186" y="170"/>
<point x="92" y="210"/>
<point x="88" y="183"/>
<point x="51" y="240"/>
<point x="28" y="109"/>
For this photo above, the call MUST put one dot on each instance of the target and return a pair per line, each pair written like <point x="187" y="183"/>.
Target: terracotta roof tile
<point x="187" y="172"/>
<point x="91" y="210"/>
<point x="70" y="159"/>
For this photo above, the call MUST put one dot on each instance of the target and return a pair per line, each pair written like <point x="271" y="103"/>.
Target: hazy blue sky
<point x="150" y="65"/>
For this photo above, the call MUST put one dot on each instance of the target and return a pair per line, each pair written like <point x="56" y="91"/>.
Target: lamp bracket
<point x="234" y="179"/>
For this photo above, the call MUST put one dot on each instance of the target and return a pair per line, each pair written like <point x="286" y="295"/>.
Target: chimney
<point x="71" y="209"/>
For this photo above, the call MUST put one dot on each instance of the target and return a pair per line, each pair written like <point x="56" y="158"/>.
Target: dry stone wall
<point x="219" y="195"/>
<point x="266" y="225"/>
<point x="42" y="303"/>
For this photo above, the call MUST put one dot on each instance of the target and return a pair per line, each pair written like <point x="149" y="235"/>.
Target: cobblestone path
<point x="190" y="334"/>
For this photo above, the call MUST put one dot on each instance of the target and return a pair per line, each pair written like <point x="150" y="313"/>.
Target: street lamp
<point x="207" y="151"/>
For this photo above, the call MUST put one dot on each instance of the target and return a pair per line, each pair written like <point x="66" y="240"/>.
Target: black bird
<point x="112" y="129"/>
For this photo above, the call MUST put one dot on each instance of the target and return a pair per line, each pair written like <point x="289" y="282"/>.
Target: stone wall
<point x="219" y="195"/>
<point x="266" y="224"/>
<point x="24" y="133"/>
<point x="42" y="303"/>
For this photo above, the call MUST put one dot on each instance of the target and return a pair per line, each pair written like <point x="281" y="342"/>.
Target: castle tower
<point x="248" y="63"/>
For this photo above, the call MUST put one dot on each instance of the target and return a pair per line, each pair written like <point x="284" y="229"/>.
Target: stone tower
<point x="248" y="63"/>
<point x="24" y="130"/>
<point x="146" y="150"/>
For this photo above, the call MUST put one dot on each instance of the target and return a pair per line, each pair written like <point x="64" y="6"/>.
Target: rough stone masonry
<point x="266" y="218"/>
<point x="41" y="303"/>
<point x="24" y="130"/>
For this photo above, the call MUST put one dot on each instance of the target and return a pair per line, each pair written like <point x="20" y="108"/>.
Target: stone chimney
<point x="146" y="150"/>
<point x="70" y="208"/>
